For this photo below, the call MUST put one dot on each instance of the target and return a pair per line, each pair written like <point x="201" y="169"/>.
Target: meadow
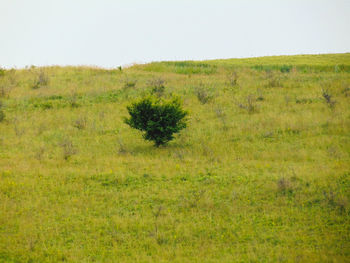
<point x="261" y="173"/>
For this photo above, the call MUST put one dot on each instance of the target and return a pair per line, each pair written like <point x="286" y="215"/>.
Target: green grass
<point x="261" y="173"/>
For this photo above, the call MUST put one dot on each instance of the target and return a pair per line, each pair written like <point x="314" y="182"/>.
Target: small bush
<point x="335" y="201"/>
<point x="2" y="86"/>
<point x="129" y="84"/>
<point x="3" y="91"/>
<point x="39" y="153"/>
<point x="328" y="98"/>
<point x="45" y="105"/>
<point x="220" y="113"/>
<point x="158" y="119"/>
<point x="203" y="95"/>
<point x="157" y="86"/>
<point x="42" y="80"/>
<point x="122" y="148"/>
<point x="284" y="185"/>
<point x="260" y="96"/>
<point x="249" y="104"/>
<point x="346" y="90"/>
<point x="17" y="127"/>
<point x="273" y="80"/>
<point x="233" y="79"/>
<point x="73" y="101"/>
<point x="2" y="114"/>
<point x="80" y="123"/>
<point x="68" y="149"/>
<point x="285" y="68"/>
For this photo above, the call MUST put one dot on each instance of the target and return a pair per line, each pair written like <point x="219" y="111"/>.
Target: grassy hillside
<point x="261" y="173"/>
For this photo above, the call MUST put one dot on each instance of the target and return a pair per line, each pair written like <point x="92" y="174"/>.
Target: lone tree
<point x="158" y="118"/>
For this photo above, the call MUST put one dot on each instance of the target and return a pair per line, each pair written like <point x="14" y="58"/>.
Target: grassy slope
<point x="267" y="185"/>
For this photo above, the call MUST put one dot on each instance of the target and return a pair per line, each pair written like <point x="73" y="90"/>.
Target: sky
<point x="109" y="33"/>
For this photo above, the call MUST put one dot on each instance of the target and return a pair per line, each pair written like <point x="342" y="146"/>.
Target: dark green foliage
<point x="269" y="68"/>
<point x="182" y="67"/>
<point x="303" y="68"/>
<point x="188" y="67"/>
<point x="159" y="119"/>
<point x="285" y="68"/>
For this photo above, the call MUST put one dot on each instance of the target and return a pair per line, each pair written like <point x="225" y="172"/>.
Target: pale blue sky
<point x="109" y="33"/>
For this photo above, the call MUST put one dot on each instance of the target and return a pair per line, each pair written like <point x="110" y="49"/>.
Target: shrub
<point x="284" y="185"/>
<point x="2" y="91"/>
<point x="157" y="86"/>
<point x="157" y="118"/>
<point x="220" y="113"/>
<point x="2" y="114"/>
<point x="203" y="95"/>
<point x="129" y="84"/>
<point x="68" y="148"/>
<point x="328" y="98"/>
<point x="346" y="89"/>
<point x="42" y="80"/>
<point x="233" y="79"/>
<point x="73" y="101"/>
<point x="80" y="123"/>
<point x="274" y="80"/>
<point x="260" y="96"/>
<point x="4" y="86"/>
<point x="122" y="148"/>
<point x="285" y="68"/>
<point x="249" y="104"/>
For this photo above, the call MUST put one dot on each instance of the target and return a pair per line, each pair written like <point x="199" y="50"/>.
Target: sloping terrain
<point x="261" y="173"/>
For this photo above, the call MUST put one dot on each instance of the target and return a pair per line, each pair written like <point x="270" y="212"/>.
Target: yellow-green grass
<point x="261" y="173"/>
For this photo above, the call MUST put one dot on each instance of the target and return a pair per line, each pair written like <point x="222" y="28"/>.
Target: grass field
<point x="261" y="173"/>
